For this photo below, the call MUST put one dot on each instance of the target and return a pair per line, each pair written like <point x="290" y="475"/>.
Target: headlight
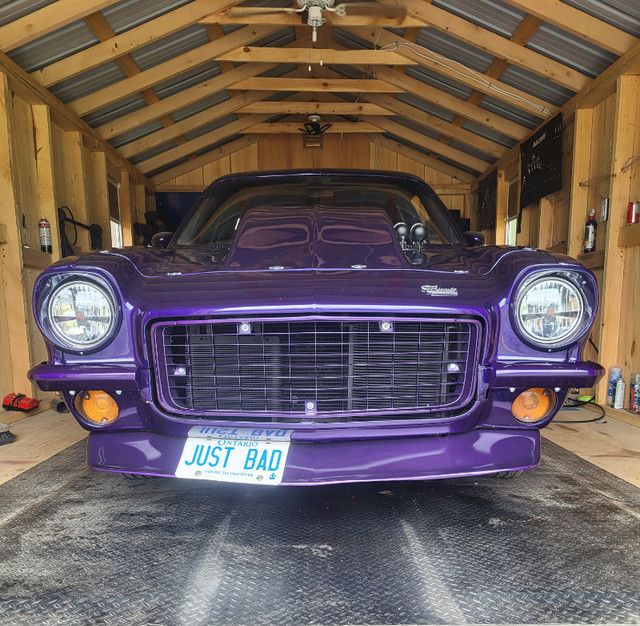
<point x="550" y="311"/>
<point x="81" y="314"/>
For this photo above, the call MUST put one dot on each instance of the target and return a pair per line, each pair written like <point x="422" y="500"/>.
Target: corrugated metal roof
<point x="497" y="16"/>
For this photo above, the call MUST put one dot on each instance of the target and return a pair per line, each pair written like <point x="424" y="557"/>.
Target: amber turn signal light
<point x="533" y="405"/>
<point x="97" y="406"/>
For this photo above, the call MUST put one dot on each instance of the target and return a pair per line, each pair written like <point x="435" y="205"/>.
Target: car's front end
<point x="302" y="355"/>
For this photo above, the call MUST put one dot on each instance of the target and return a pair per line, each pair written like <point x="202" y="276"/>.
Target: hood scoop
<point x="315" y="238"/>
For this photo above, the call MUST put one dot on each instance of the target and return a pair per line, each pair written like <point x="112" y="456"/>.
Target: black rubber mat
<point x="556" y="545"/>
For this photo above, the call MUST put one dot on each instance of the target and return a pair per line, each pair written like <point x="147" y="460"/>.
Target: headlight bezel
<point x="58" y="282"/>
<point x="579" y="281"/>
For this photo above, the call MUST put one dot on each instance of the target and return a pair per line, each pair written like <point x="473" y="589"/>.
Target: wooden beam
<point x="205" y="159"/>
<point x="451" y="103"/>
<point x="613" y="295"/>
<point x="284" y="19"/>
<point x="46" y="20"/>
<point x="293" y="128"/>
<point x="177" y="101"/>
<point x="168" y="69"/>
<point x="396" y="107"/>
<point x="126" y="42"/>
<point x="60" y="113"/>
<point x="321" y="85"/>
<point x="314" y="56"/>
<point x="201" y="143"/>
<point x="13" y="326"/>
<point x="480" y="82"/>
<point x="430" y="144"/>
<point x="422" y="158"/>
<point x="578" y="23"/>
<point x="495" y="44"/>
<point x="190" y="123"/>
<point x="321" y="108"/>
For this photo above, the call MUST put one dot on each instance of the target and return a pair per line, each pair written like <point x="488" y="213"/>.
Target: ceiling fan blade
<point x="245" y="11"/>
<point x="370" y="8"/>
<point x="324" y="128"/>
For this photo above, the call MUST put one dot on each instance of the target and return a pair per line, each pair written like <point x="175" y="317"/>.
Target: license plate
<point x="237" y="455"/>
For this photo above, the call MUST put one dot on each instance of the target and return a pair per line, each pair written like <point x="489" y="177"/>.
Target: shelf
<point x="592" y="260"/>
<point x="629" y="235"/>
<point x="36" y="258"/>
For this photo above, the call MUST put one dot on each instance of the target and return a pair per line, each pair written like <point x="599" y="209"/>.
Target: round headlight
<point x="550" y="311"/>
<point x="81" y="314"/>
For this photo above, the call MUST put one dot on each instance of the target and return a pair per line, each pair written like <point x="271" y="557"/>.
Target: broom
<point x="6" y="436"/>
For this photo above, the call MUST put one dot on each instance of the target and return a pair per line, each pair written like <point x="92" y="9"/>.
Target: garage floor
<point x="558" y="544"/>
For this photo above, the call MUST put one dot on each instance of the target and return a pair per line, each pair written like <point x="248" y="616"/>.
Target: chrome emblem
<point x="435" y="290"/>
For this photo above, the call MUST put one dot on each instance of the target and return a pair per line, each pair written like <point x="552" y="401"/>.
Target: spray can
<point x="615" y="373"/>
<point x="590" y="233"/>
<point x="45" y="235"/>
<point x="618" y="398"/>
<point x="634" y="393"/>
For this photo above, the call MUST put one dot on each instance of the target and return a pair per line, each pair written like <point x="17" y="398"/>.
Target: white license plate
<point x="239" y="455"/>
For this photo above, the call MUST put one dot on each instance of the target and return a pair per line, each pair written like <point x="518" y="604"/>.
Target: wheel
<point x="510" y="474"/>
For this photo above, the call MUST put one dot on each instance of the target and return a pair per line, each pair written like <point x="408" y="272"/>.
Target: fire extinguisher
<point x="45" y="235"/>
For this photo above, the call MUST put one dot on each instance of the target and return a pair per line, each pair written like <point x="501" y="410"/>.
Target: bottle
<point x="615" y="373"/>
<point x="45" y="235"/>
<point x="618" y="400"/>
<point x="590" y="233"/>
<point x="634" y="393"/>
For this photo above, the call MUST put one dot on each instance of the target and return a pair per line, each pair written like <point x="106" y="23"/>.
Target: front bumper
<point x="411" y="458"/>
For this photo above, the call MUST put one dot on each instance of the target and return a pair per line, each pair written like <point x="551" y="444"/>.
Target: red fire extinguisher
<point x="45" y="235"/>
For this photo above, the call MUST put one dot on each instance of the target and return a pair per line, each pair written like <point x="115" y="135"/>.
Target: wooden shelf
<point x="36" y="258"/>
<point x="592" y="260"/>
<point x="629" y="235"/>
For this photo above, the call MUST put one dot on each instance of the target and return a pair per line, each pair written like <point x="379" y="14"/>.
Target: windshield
<point x="216" y="218"/>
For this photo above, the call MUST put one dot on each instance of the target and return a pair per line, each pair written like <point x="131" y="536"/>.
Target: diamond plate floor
<point x="556" y="545"/>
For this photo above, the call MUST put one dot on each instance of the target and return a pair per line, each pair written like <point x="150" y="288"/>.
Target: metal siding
<point x="623" y="14"/>
<point x="88" y="82"/>
<point x="167" y="48"/>
<point x="498" y="17"/>
<point x="14" y="10"/>
<point x="128" y="14"/>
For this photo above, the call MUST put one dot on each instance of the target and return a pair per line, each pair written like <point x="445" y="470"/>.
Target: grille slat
<point x="321" y="368"/>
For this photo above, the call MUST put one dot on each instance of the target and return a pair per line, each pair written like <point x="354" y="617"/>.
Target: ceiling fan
<point x="316" y="8"/>
<point x="312" y="126"/>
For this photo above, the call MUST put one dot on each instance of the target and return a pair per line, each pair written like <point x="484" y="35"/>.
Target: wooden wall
<point x="601" y="147"/>
<point x="46" y="162"/>
<point x="338" y="151"/>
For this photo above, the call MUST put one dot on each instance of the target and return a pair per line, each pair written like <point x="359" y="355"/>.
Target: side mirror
<point x="161" y="240"/>
<point x="474" y="238"/>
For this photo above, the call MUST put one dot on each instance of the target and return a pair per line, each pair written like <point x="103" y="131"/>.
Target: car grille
<point x="315" y="368"/>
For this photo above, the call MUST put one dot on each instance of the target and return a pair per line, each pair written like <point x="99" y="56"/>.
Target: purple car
<point x="313" y="327"/>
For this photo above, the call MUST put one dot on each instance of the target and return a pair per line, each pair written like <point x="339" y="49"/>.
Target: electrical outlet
<point x="604" y="210"/>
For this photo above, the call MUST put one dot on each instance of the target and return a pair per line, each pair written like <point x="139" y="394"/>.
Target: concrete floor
<point x="610" y="444"/>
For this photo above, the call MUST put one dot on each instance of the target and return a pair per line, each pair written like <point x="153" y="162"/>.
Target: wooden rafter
<point x="178" y="101"/>
<point x="420" y="157"/>
<point x="43" y="21"/>
<point x="201" y="143"/>
<point x="168" y="69"/>
<point x="191" y="123"/>
<point x="430" y="144"/>
<point x="451" y="103"/>
<point x="208" y="157"/>
<point x="396" y="107"/>
<point x="126" y="42"/>
<point x="578" y="23"/>
<point x="477" y="81"/>
<point x="494" y="44"/>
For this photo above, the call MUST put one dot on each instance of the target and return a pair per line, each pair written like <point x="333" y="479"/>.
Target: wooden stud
<point x="321" y="85"/>
<point x="614" y="300"/>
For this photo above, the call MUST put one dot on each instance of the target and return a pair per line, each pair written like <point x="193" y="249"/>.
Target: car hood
<point x="313" y="238"/>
